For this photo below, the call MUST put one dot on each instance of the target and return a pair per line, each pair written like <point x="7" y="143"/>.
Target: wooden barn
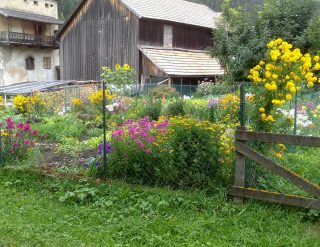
<point x="164" y="40"/>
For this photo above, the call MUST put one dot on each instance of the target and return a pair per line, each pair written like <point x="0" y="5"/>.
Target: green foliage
<point x="151" y="110"/>
<point x="174" y="108"/>
<point x="126" y="215"/>
<point x="60" y="127"/>
<point x="121" y="79"/>
<point x="243" y="45"/>
<point x="163" y="91"/>
<point x="211" y="89"/>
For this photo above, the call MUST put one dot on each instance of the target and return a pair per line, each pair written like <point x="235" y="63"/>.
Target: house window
<point x="167" y="36"/>
<point x="46" y="5"/>
<point x="47" y="62"/>
<point x="29" y="63"/>
<point x="35" y="2"/>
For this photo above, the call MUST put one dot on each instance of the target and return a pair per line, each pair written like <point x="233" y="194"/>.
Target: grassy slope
<point x="31" y="215"/>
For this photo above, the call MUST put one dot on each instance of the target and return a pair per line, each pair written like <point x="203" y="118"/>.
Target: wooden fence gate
<point x="239" y="191"/>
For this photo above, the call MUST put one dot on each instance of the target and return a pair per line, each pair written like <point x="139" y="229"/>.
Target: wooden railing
<point x="28" y="39"/>
<point x="239" y="191"/>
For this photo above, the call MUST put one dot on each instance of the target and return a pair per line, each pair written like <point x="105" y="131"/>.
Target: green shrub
<point x="164" y="91"/>
<point x="211" y="89"/>
<point x="151" y="110"/>
<point x="182" y="153"/>
<point x="197" y="108"/>
<point x="60" y="127"/>
<point x="174" y="108"/>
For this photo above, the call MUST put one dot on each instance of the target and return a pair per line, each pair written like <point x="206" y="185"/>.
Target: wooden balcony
<point x="28" y="39"/>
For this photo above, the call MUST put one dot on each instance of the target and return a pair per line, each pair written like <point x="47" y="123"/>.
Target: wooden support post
<point x="240" y="170"/>
<point x="170" y="82"/>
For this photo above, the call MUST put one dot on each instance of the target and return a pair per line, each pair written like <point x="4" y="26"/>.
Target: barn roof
<point x="29" y="16"/>
<point x="179" y="11"/>
<point x="184" y="63"/>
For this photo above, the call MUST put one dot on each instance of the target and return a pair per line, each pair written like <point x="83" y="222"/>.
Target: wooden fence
<point x="239" y="191"/>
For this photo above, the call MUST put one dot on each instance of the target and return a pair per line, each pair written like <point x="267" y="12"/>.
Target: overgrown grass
<point x="39" y="211"/>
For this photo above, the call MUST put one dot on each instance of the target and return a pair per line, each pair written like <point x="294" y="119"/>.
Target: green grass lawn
<point x="36" y="211"/>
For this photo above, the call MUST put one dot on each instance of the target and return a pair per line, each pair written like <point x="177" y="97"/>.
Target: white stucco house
<point x="28" y="49"/>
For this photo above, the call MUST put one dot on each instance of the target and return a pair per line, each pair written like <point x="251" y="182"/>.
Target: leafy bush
<point x="197" y="108"/>
<point x="151" y="110"/>
<point x="164" y="91"/>
<point x="181" y="152"/>
<point x="175" y="108"/>
<point x="60" y="127"/>
<point x="211" y="89"/>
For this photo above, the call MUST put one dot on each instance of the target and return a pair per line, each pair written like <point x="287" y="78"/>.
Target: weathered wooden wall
<point x="184" y="36"/>
<point x="103" y="33"/>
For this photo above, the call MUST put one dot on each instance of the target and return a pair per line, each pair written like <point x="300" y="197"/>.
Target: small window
<point x="167" y="36"/>
<point x="46" y="5"/>
<point x="47" y="62"/>
<point x="29" y="63"/>
<point x="35" y="2"/>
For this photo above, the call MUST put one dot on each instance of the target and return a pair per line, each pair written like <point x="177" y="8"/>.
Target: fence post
<point x="295" y="114"/>
<point x="242" y="104"/>
<point x="240" y="170"/>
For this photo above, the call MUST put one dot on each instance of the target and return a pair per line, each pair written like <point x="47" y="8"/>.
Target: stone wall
<point x="13" y="64"/>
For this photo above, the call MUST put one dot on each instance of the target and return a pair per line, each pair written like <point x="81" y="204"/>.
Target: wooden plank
<point x="276" y="197"/>
<point x="279" y="170"/>
<point x="278" y="138"/>
<point x="240" y="170"/>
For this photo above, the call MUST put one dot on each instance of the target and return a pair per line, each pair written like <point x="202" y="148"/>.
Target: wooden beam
<point x="240" y="170"/>
<point x="277" y="169"/>
<point x="276" y="197"/>
<point x="278" y="138"/>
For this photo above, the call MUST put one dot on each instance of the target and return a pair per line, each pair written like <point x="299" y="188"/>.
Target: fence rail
<point x="239" y="191"/>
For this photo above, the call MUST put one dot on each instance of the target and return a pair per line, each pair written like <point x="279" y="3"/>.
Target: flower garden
<point x="182" y="149"/>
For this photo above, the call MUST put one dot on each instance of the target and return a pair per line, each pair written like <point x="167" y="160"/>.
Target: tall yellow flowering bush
<point x="277" y="79"/>
<point x="97" y="97"/>
<point x="26" y="104"/>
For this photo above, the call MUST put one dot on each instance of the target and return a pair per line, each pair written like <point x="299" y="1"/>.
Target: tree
<point x="239" y="41"/>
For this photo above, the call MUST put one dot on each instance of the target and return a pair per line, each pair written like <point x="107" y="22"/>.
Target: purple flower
<point x="34" y="132"/>
<point x="213" y="103"/>
<point x="148" y="151"/>
<point x="100" y="148"/>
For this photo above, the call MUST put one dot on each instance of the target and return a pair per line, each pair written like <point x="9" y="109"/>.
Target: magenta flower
<point x="27" y="128"/>
<point x="18" y="135"/>
<point x="148" y="151"/>
<point x="11" y="151"/>
<point x="34" y="132"/>
<point x="10" y="123"/>
<point x="27" y="142"/>
<point x="20" y="126"/>
<point x="15" y="144"/>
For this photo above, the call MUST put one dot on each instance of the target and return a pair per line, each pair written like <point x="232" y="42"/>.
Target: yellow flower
<point x="262" y="110"/>
<point x="289" y="97"/>
<point x="76" y="102"/>
<point x="118" y="66"/>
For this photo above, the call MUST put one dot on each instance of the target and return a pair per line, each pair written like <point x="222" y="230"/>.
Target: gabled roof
<point x="29" y="16"/>
<point x="184" y="63"/>
<point x="179" y="11"/>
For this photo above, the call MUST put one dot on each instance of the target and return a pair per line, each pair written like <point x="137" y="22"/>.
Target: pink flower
<point x="27" y="142"/>
<point x="18" y="134"/>
<point x="33" y="143"/>
<point x="10" y="123"/>
<point x="15" y="144"/>
<point x="11" y="151"/>
<point x="20" y="126"/>
<point x="148" y="151"/>
<point x="27" y="128"/>
<point x="35" y="132"/>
